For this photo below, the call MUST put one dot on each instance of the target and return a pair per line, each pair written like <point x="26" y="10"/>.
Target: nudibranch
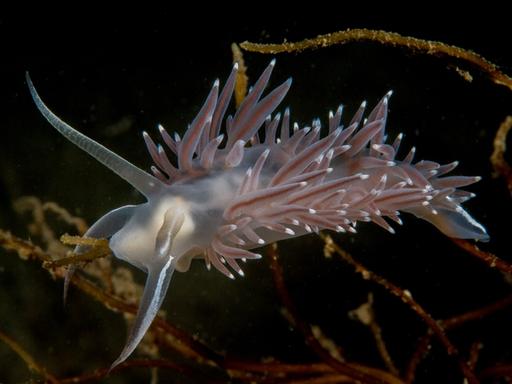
<point x="229" y="193"/>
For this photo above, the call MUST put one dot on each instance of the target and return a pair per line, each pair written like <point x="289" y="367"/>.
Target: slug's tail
<point x="455" y="223"/>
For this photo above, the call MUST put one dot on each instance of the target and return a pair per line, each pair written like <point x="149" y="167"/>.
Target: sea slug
<point x="229" y="193"/>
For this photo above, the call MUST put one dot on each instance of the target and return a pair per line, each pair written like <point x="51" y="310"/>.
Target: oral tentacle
<point x="105" y="227"/>
<point x="157" y="283"/>
<point x="140" y="180"/>
<point x="160" y="270"/>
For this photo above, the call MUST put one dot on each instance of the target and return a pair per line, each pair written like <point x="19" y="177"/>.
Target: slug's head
<point x="157" y="230"/>
<point x="151" y="236"/>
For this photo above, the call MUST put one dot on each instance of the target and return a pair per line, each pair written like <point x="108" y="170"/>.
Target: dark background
<point x="112" y="75"/>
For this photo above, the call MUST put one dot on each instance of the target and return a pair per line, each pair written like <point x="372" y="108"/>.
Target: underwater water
<point x="113" y="99"/>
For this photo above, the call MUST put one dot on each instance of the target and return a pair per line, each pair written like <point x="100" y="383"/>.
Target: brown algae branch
<point x="135" y="363"/>
<point x="362" y="374"/>
<point x="242" y="80"/>
<point x="500" y="166"/>
<point x="422" y="348"/>
<point x="31" y="363"/>
<point x="477" y="314"/>
<point x="184" y="343"/>
<point x="500" y="370"/>
<point x="25" y="249"/>
<point x="99" y="248"/>
<point x="366" y="315"/>
<point x="451" y="323"/>
<point x="433" y="48"/>
<point x="276" y="369"/>
<point x="488" y="258"/>
<point x="406" y="297"/>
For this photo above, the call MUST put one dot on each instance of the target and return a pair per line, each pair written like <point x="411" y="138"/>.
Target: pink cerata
<point x="229" y="193"/>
